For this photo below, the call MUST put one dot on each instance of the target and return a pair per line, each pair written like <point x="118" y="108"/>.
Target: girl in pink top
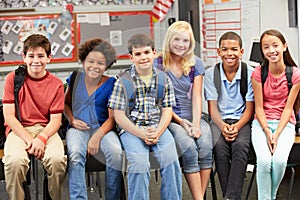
<point x="273" y="130"/>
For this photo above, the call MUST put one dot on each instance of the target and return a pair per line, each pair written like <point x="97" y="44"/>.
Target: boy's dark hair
<point x="139" y="40"/>
<point x="37" y="40"/>
<point x="287" y="58"/>
<point x="99" y="45"/>
<point x="231" y="36"/>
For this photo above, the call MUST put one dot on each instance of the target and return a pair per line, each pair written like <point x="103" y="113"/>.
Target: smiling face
<point x="94" y="64"/>
<point x="180" y="43"/>
<point x="36" y="60"/>
<point x="142" y="58"/>
<point x="273" y="48"/>
<point x="230" y="53"/>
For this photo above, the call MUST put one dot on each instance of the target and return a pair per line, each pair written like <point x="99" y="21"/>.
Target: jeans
<point x="196" y="154"/>
<point x="110" y="146"/>
<point x="231" y="159"/>
<point x="164" y="152"/>
<point x="271" y="168"/>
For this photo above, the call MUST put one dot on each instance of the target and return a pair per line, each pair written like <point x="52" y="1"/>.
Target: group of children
<point x="153" y="111"/>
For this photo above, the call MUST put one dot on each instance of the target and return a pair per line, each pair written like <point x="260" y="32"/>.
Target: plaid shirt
<point x="145" y="111"/>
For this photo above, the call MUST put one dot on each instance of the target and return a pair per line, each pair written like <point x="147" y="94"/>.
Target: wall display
<point x="115" y="27"/>
<point x="16" y="29"/>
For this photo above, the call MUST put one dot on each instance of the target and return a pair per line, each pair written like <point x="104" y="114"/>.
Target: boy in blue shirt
<point x="144" y="128"/>
<point x="231" y="115"/>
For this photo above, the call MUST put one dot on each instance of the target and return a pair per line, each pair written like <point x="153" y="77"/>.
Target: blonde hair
<point x="188" y="59"/>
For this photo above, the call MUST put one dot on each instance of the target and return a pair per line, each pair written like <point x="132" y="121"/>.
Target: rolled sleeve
<point x="169" y="99"/>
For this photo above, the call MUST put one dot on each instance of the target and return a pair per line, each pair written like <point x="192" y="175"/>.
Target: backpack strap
<point x="217" y="78"/>
<point x="243" y="82"/>
<point x="160" y="87"/>
<point x="264" y="74"/>
<point x="20" y="73"/>
<point x="289" y="75"/>
<point x="129" y="91"/>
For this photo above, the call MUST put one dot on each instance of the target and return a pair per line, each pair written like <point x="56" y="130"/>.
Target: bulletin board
<point x="14" y="29"/>
<point x="115" y="27"/>
<point x="241" y="17"/>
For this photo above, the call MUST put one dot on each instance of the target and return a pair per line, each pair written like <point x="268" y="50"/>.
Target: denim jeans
<point x="196" y="154"/>
<point x="164" y="152"/>
<point x="109" y="150"/>
<point x="231" y="159"/>
<point x="271" y="168"/>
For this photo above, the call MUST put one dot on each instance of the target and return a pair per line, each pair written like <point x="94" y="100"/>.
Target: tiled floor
<point x="154" y="189"/>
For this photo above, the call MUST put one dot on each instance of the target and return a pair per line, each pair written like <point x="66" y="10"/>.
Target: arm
<point x="197" y="105"/>
<point x="259" y="110"/>
<point x="217" y="119"/>
<point x="15" y="125"/>
<point x="93" y="144"/>
<point x="127" y="125"/>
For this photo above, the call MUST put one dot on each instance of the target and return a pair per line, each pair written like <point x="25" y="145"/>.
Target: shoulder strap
<point x="192" y="74"/>
<point x="20" y="73"/>
<point x="289" y="75"/>
<point x="217" y="78"/>
<point x="72" y="81"/>
<point x="244" y="81"/>
<point x="129" y="90"/>
<point x="264" y="74"/>
<point x="160" y="87"/>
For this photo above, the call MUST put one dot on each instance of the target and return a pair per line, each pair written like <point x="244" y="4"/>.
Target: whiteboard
<point x="218" y="18"/>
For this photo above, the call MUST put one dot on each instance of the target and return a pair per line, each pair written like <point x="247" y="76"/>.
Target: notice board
<point x="115" y="27"/>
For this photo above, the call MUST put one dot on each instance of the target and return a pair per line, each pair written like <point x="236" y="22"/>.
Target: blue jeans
<point x="231" y="159"/>
<point x="110" y="146"/>
<point x="271" y="168"/>
<point x="196" y="154"/>
<point x="164" y="152"/>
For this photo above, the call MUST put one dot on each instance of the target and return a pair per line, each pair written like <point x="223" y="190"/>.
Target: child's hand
<point x="187" y="125"/>
<point x="79" y="124"/>
<point x="151" y="136"/>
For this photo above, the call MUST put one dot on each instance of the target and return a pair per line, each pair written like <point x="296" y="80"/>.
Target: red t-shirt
<point x="38" y="98"/>
<point x="276" y="93"/>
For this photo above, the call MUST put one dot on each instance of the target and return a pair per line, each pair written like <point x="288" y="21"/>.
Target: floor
<point x="93" y="193"/>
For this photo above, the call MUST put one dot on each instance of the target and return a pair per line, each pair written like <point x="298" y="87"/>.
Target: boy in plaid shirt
<point x="144" y="128"/>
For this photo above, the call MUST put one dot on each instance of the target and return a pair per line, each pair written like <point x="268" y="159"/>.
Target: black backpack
<point x="243" y="83"/>
<point x="20" y="73"/>
<point x="289" y="75"/>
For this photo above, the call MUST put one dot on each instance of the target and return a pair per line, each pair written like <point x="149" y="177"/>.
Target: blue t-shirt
<point x="183" y="92"/>
<point x="91" y="109"/>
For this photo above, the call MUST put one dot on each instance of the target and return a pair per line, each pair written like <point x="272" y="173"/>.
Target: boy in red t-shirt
<point x="41" y="103"/>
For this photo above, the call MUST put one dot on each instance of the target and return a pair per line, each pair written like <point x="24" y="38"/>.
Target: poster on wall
<point x="16" y="29"/>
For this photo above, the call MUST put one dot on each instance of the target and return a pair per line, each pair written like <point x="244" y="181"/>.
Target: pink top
<point x="276" y="93"/>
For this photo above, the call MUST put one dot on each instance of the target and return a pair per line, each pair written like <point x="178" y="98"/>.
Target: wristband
<point x="41" y="138"/>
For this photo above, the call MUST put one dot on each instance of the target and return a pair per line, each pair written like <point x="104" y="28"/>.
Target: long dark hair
<point x="287" y="58"/>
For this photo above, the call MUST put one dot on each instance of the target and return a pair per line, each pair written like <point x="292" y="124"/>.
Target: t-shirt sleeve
<point x="296" y="75"/>
<point x="256" y="74"/>
<point x="199" y="67"/>
<point x="210" y="91"/>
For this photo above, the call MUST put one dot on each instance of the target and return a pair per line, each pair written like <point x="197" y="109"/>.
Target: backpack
<point x="62" y="131"/>
<point x="130" y="90"/>
<point x="20" y="73"/>
<point x="243" y="83"/>
<point x="289" y="75"/>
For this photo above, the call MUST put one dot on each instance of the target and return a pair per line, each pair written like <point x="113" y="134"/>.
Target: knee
<point x="16" y="163"/>
<point x="263" y="164"/>
<point x="76" y="154"/>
